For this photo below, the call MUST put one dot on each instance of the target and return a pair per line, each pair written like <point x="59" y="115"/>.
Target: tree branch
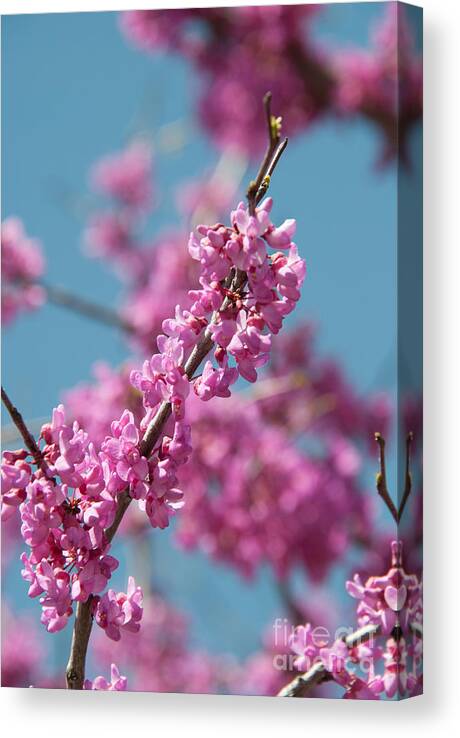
<point x="382" y="480"/>
<point x="258" y="187"/>
<point x="75" y="672"/>
<point x="61" y="297"/>
<point x="27" y="436"/>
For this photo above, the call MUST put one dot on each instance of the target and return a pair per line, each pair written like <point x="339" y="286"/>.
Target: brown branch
<point x="75" y="672"/>
<point x="258" y="187"/>
<point x="382" y="480"/>
<point x="27" y="436"/>
<point x="302" y="684"/>
<point x="318" y="673"/>
<point x="61" y="297"/>
<point x="288" y="599"/>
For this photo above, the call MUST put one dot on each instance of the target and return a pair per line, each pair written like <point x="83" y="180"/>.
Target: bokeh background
<point x="74" y="90"/>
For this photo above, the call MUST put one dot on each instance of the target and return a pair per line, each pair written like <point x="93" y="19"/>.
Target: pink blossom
<point x="93" y="577"/>
<point x="117" y="682"/>
<point x="109" y="235"/>
<point x="22" y="267"/>
<point x="304" y="644"/>
<point x="122" y="463"/>
<point x="56" y="602"/>
<point x="308" y="80"/>
<point x="357" y="667"/>
<point x="160" y="656"/>
<point x="389" y="600"/>
<point x="215" y="382"/>
<point x="120" y="611"/>
<point x="386" y="81"/>
<point x="22" y="649"/>
<point x="126" y="176"/>
<point x="336" y="660"/>
<point x="68" y="504"/>
<point x="15" y="477"/>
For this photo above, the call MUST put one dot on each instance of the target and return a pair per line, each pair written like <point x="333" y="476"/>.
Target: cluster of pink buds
<point x="22" y="267"/>
<point x="393" y="605"/>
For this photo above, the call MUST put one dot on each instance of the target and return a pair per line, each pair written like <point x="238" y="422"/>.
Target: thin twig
<point x="61" y="297"/>
<point x="27" y="436"/>
<point x="381" y="481"/>
<point x="407" y="476"/>
<point x="260" y="184"/>
<point x="75" y="672"/>
<point x="318" y="673"/>
<point x="288" y="599"/>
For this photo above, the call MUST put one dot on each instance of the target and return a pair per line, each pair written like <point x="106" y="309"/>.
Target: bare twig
<point x="61" y="297"/>
<point x="258" y="187"/>
<point x="382" y="480"/>
<point x="27" y="436"/>
<point x="75" y="672"/>
<point x="318" y="673"/>
<point x="382" y="488"/>
<point x="408" y="476"/>
<point x="302" y="684"/>
<point x="288" y="599"/>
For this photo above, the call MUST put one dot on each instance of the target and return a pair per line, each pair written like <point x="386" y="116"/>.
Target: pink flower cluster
<point x="223" y="44"/>
<point x="95" y="405"/>
<point x="66" y="505"/>
<point x="242" y="52"/>
<point x="269" y="502"/>
<point x="370" y="669"/>
<point x="126" y="176"/>
<point x="159" y="658"/>
<point x="238" y="322"/>
<point x="118" y="683"/>
<point x="162" y="278"/>
<point x="22" y="267"/>
<point x="385" y="82"/>
<point x="300" y="508"/>
<point x="310" y="395"/>
<point x="242" y="328"/>
<point x="119" y="611"/>
<point x="22" y="650"/>
<point x="393" y="600"/>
